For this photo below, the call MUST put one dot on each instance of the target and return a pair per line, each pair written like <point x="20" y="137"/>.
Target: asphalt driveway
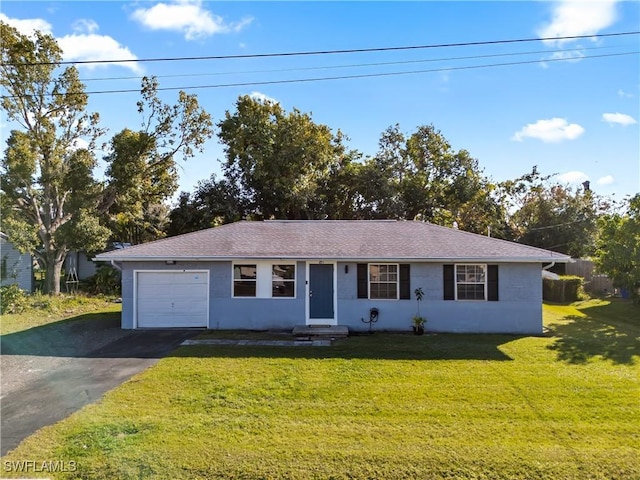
<point x="51" y="371"/>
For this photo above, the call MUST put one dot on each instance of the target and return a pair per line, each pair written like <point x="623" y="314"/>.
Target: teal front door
<point x="321" y="294"/>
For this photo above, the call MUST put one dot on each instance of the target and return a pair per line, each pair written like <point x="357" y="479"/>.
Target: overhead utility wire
<point x="348" y="77"/>
<point x="330" y="52"/>
<point x="351" y="65"/>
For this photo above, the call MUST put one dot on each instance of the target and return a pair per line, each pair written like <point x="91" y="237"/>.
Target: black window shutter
<point x="363" y="281"/>
<point x="448" y="282"/>
<point x="492" y="283"/>
<point x="405" y="282"/>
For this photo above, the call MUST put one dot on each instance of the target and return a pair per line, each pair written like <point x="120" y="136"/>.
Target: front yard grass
<point x="562" y="406"/>
<point x="40" y="309"/>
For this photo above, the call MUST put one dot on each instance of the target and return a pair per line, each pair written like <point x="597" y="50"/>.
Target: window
<point x="283" y="281"/>
<point x="383" y="281"/>
<point x="244" y="280"/>
<point x="264" y="279"/>
<point x="471" y="281"/>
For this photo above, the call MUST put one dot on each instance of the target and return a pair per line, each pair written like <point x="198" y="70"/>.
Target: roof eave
<point x="164" y="258"/>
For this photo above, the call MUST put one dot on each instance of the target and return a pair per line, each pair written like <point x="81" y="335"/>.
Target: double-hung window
<point x="264" y="279"/>
<point x="245" y="279"/>
<point x="471" y="282"/>
<point x="283" y="281"/>
<point x="383" y="281"/>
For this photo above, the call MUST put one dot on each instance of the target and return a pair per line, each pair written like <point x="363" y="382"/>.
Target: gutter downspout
<point x="113" y="264"/>
<point x="544" y="268"/>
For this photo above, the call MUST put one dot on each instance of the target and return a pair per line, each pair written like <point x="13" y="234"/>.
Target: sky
<point x="571" y="107"/>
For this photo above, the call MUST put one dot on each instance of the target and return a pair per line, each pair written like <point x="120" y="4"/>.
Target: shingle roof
<point x="333" y="240"/>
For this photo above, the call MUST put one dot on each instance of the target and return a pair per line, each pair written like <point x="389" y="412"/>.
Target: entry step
<point x="322" y="331"/>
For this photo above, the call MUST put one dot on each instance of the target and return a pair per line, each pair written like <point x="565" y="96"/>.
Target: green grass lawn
<point x="563" y="406"/>
<point x="42" y="309"/>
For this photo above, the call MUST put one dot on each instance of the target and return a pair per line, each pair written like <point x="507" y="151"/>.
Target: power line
<point x="332" y="52"/>
<point x="351" y="65"/>
<point x="348" y="77"/>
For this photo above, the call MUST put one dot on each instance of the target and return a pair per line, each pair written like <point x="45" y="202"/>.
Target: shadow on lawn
<point x="379" y="346"/>
<point x="92" y="335"/>
<point x="608" y="331"/>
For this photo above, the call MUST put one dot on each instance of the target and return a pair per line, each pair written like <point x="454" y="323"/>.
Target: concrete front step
<point x="321" y="331"/>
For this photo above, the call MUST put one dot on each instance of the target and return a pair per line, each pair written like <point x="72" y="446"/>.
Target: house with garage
<point x="281" y="274"/>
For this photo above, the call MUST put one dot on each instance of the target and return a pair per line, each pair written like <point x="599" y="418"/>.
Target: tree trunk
<point x="53" y="272"/>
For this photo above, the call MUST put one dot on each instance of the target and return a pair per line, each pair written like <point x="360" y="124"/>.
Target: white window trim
<point x="323" y="321"/>
<point x="294" y="281"/>
<point x="456" y="283"/>
<point x="233" y="279"/>
<point x="264" y="278"/>
<point x="397" y="281"/>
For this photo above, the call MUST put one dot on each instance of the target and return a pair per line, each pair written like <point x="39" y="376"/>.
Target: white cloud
<point x="91" y="46"/>
<point x="261" y="97"/>
<point x="623" y="94"/>
<point x="27" y="26"/>
<point x="188" y="17"/>
<point x="618" y="118"/>
<point x="85" y="44"/>
<point x="606" y="180"/>
<point x="572" y="56"/>
<point x="578" y="17"/>
<point x="549" y="131"/>
<point x="573" y="176"/>
<point x="85" y="25"/>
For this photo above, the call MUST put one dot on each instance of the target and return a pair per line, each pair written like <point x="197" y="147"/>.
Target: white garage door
<point x="172" y="299"/>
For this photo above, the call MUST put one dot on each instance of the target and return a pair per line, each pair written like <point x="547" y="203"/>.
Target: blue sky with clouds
<point x="570" y="107"/>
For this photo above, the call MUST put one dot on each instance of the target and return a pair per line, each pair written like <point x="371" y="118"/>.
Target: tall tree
<point x="420" y="176"/>
<point x="142" y="170"/>
<point x="618" y="247"/>
<point x="215" y="202"/>
<point x="553" y="216"/>
<point x="47" y="175"/>
<point x="277" y="159"/>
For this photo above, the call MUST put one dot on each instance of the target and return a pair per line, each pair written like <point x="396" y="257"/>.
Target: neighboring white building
<point x="16" y="267"/>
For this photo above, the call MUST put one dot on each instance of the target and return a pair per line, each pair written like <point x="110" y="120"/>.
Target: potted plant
<point x="418" y="320"/>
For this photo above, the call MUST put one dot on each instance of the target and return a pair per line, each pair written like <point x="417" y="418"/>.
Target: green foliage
<point x="47" y="177"/>
<point x="215" y="202"/>
<point x="142" y="171"/>
<point x="418" y="320"/>
<point x="569" y="288"/>
<point x="553" y="216"/>
<point x="277" y="159"/>
<point x="12" y="299"/>
<point x="106" y="281"/>
<point x="618" y="248"/>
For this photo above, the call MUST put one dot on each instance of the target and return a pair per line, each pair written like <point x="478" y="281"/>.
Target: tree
<point x="277" y="160"/>
<point x="420" y="177"/>
<point x="142" y="170"/>
<point x="47" y="170"/>
<point x="618" y="247"/>
<point x="553" y="216"/>
<point x="215" y="202"/>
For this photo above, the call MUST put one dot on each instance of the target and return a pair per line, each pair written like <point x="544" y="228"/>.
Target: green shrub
<point x="12" y="299"/>
<point x="106" y="281"/>
<point x="569" y="288"/>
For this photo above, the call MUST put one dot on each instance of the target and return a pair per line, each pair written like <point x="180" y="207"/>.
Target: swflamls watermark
<point x="35" y="466"/>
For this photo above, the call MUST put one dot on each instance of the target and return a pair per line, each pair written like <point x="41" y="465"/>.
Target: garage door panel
<point x="172" y="299"/>
<point x="190" y="279"/>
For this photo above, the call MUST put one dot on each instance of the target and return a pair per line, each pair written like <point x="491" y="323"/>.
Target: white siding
<point x="19" y="267"/>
